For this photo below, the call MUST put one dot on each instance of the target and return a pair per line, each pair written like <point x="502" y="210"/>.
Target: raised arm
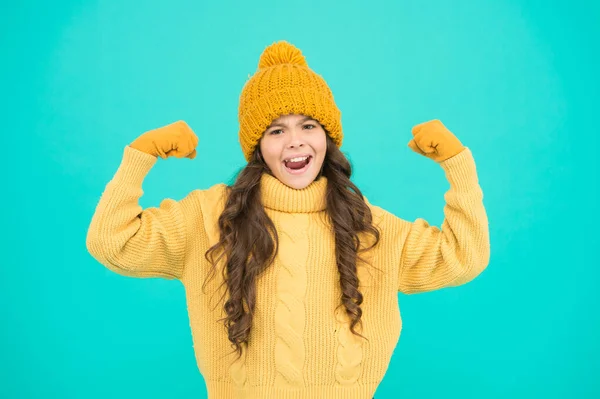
<point x="133" y="241"/>
<point x="140" y="242"/>
<point x="433" y="257"/>
<point x="428" y="257"/>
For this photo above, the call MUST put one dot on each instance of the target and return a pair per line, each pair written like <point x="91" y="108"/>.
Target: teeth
<point x="297" y="159"/>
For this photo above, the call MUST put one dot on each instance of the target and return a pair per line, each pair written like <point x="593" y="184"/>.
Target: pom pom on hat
<point x="281" y="53"/>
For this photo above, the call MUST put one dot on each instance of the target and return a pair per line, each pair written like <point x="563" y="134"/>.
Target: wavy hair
<point x="249" y="242"/>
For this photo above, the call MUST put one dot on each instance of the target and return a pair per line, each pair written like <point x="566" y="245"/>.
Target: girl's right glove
<point x="176" y="139"/>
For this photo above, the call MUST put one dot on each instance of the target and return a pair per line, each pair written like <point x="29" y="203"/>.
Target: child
<point x="291" y="267"/>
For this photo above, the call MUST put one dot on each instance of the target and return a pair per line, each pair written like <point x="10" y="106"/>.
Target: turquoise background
<point x="516" y="81"/>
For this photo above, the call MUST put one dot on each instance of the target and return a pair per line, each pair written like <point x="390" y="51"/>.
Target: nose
<point x="295" y="140"/>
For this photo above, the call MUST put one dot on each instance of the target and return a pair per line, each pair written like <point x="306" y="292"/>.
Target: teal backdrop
<point x="516" y="81"/>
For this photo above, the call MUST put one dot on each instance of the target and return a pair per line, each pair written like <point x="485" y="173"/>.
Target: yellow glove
<point x="176" y="139"/>
<point x="433" y="140"/>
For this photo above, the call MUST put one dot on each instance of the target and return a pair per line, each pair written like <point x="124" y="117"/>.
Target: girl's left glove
<point x="433" y="140"/>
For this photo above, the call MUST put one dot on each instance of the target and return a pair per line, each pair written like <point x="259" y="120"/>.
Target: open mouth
<point x="297" y="165"/>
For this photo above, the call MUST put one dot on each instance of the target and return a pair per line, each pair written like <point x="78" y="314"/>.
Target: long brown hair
<point x="249" y="241"/>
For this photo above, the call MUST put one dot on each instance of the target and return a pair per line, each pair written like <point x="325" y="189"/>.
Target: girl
<point x="291" y="275"/>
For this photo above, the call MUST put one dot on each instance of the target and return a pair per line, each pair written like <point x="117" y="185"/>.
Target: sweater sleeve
<point x="132" y="241"/>
<point x="433" y="257"/>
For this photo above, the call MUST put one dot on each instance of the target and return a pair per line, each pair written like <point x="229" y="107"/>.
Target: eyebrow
<point x="306" y="118"/>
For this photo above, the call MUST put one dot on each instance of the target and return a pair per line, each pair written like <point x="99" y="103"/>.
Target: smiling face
<point x="294" y="148"/>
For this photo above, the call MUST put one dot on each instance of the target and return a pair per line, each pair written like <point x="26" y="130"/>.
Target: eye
<point x="275" y="131"/>
<point x="311" y="126"/>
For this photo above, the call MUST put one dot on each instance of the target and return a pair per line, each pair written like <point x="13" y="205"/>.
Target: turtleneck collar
<point x="277" y="196"/>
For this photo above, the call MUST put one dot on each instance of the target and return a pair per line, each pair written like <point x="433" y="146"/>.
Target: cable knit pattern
<point x="291" y="289"/>
<point x="238" y="372"/>
<point x="349" y="352"/>
<point x="350" y="346"/>
<point x="300" y="346"/>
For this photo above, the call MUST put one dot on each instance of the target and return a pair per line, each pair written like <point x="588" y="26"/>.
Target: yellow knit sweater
<point x="300" y="346"/>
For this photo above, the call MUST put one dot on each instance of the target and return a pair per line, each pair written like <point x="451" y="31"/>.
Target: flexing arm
<point x="140" y="242"/>
<point x="133" y="241"/>
<point x="456" y="253"/>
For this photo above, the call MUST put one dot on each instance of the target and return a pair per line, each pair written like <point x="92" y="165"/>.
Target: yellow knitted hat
<point x="284" y="84"/>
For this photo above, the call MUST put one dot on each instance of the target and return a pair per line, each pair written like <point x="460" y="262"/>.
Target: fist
<point x="177" y="140"/>
<point x="433" y="140"/>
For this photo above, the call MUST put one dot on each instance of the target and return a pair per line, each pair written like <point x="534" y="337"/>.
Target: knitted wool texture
<point x="282" y="85"/>
<point x="300" y="346"/>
